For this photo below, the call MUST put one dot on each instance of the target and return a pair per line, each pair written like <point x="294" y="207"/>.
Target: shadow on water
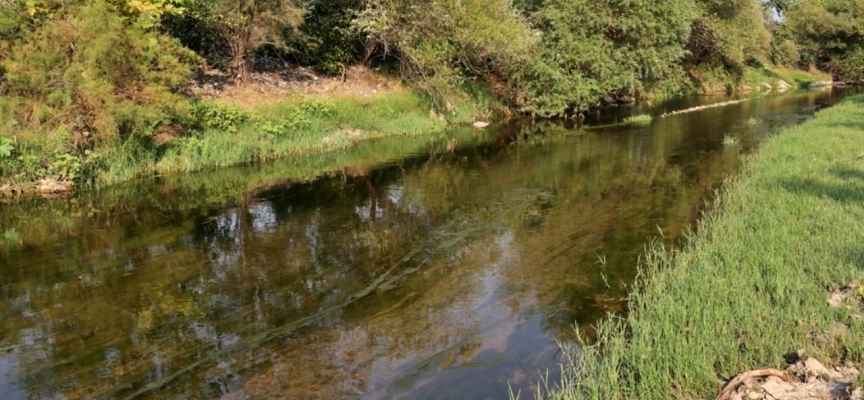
<point x="418" y="268"/>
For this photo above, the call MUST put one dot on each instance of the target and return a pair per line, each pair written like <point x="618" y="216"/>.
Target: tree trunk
<point x="240" y="61"/>
<point x="369" y="47"/>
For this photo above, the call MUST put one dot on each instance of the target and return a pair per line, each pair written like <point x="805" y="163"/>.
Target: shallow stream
<point x="415" y="268"/>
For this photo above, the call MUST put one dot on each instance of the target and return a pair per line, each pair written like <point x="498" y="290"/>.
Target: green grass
<point x="641" y="119"/>
<point x="750" y="286"/>
<point x="303" y="127"/>
<point x="228" y="137"/>
<point x="772" y="75"/>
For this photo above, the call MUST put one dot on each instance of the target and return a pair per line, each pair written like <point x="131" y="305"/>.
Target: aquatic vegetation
<point x="641" y="119"/>
<point x="730" y="140"/>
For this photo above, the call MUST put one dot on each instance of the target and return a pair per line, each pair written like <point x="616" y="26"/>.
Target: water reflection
<point x="443" y="275"/>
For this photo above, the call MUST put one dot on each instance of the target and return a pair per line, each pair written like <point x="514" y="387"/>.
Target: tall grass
<point x="218" y="136"/>
<point x="302" y="127"/>
<point x="749" y="288"/>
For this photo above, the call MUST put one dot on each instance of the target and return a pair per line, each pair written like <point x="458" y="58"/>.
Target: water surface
<point x="417" y="268"/>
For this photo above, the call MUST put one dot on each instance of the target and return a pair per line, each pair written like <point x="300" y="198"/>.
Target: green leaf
<point x="6" y="147"/>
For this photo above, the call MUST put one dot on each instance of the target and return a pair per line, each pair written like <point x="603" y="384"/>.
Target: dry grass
<point x="269" y="88"/>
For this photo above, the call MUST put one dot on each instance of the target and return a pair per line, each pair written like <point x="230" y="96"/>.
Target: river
<point x="415" y="268"/>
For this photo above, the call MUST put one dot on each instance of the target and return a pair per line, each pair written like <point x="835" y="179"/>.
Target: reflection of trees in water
<point x="254" y="266"/>
<point x="131" y="294"/>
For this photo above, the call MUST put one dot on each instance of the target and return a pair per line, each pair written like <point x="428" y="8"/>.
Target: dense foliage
<point x="76" y="74"/>
<point x="830" y="34"/>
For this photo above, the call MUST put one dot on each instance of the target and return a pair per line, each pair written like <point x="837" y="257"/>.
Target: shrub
<point x="210" y="115"/>
<point x="92" y="70"/>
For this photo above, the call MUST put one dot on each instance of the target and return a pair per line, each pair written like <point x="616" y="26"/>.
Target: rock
<point x="608" y="100"/>
<point x="624" y="99"/>
<point x="766" y="85"/>
<point x="782" y="85"/>
<point x="820" y="84"/>
<point x="816" y="368"/>
<point x="776" y="388"/>
<point x="52" y="186"/>
<point x="746" y="89"/>
<point x="480" y="124"/>
<point x="755" y="396"/>
<point x="836" y="299"/>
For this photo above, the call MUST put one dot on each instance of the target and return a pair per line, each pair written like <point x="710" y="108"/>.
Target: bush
<point x="210" y="115"/>
<point x="93" y="71"/>
<point x="591" y="49"/>
<point x="850" y="65"/>
<point x="785" y="54"/>
<point x="326" y="41"/>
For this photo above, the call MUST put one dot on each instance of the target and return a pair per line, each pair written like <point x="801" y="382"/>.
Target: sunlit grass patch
<point x="641" y="119"/>
<point x="749" y="288"/>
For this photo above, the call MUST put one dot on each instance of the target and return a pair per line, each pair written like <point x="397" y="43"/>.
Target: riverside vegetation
<point x="96" y="92"/>
<point x="751" y="287"/>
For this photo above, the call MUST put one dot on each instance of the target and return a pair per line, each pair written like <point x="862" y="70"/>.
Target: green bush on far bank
<point x="750" y="287"/>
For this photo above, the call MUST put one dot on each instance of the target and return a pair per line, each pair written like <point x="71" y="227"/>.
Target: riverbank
<point x="750" y="289"/>
<point x="763" y="79"/>
<point x="232" y="125"/>
<point x="290" y="113"/>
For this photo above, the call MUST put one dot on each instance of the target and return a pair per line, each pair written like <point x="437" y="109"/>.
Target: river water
<point x="416" y="268"/>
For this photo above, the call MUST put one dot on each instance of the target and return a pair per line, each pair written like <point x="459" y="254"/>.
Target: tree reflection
<point x="447" y="273"/>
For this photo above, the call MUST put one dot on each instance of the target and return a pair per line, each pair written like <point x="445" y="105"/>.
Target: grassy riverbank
<point x="222" y="134"/>
<point x="750" y="287"/>
<point x="295" y="127"/>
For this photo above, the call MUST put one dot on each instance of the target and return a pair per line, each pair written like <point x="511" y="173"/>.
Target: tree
<point x="441" y="42"/>
<point x="245" y="25"/>
<point x="781" y="6"/>
<point x="830" y="34"/>
<point x="593" y="48"/>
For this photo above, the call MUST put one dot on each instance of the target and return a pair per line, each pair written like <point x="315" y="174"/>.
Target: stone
<point x="820" y="84"/>
<point x="816" y="368"/>
<point x="480" y="125"/>
<point x="783" y="85"/>
<point x="52" y="186"/>
<point x="624" y="99"/>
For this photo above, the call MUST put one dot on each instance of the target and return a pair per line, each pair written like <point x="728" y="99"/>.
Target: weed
<point x="6" y="147"/>
<point x="639" y="119"/>
<point x="211" y="115"/>
<point x="729" y="140"/>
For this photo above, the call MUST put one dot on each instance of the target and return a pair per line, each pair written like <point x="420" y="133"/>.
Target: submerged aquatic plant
<point x="730" y="140"/>
<point x="638" y="119"/>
